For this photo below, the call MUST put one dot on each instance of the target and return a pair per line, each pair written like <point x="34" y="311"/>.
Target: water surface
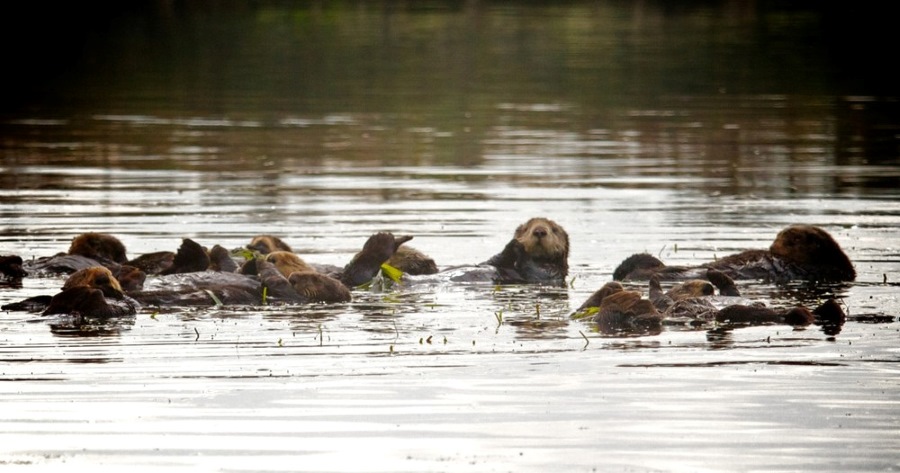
<point x="688" y="132"/>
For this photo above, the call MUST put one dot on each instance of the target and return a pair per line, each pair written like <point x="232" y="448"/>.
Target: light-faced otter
<point x="266" y="244"/>
<point x="92" y="292"/>
<point x="288" y="262"/>
<point x="799" y="252"/>
<point x="538" y="254"/>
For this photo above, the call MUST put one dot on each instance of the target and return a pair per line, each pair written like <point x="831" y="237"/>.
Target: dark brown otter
<point x="799" y="252"/>
<point x="260" y="281"/>
<point x="101" y="247"/>
<point x="316" y="287"/>
<point x="412" y="261"/>
<point x="620" y="309"/>
<point x="190" y="258"/>
<point x="130" y="278"/>
<point x="624" y="311"/>
<point x="538" y="253"/>
<point x="691" y="289"/>
<point x="366" y="264"/>
<point x="11" y="267"/>
<point x="154" y="263"/>
<point x="220" y="260"/>
<point x="86" y="250"/>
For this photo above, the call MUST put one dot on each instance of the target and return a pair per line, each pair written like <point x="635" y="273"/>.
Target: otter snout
<point x="539" y="232"/>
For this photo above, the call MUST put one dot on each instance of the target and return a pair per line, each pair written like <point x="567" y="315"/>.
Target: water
<point x="688" y="132"/>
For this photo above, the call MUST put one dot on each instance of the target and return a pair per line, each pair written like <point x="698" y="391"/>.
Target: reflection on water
<point x="689" y="131"/>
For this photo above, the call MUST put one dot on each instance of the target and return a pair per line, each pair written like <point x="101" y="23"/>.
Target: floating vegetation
<point x="391" y="272"/>
<point x="585" y="313"/>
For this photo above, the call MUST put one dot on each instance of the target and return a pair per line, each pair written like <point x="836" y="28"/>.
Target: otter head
<point x="266" y="244"/>
<point x="814" y="250"/>
<point x="96" y="277"/>
<point x="543" y="239"/>
<point x="316" y="287"/>
<point x="99" y="246"/>
<point x="288" y="263"/>
<point x="690" y="289"/>
<point x="599" y="295"/>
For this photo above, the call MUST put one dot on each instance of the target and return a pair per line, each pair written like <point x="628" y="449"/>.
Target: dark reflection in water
<point x="697" y="91"/>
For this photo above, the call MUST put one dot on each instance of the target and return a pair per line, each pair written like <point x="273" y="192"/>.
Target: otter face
<point x="288" y="263"/>
<point x="812" y="246"/>
<point x="99" y="246"/>
<point x="266" y="244"/>
<point x="96" y="277"/>
<point x="543" y="239"/>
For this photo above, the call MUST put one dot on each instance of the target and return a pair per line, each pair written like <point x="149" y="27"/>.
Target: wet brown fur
<point x="99" y="246"/>
<point x="319" y="287"/>
<point x="97" y="277"/>
<point x="266" y="244"/>
<point x="288" y="263"/>
<point x="543" y="239"/>
<point x="802" y="252"/>
<point x="11" y="267"/>
<point x="412" y="261"/>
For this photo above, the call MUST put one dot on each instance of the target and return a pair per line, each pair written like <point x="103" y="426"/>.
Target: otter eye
<point x="101" y="280"/>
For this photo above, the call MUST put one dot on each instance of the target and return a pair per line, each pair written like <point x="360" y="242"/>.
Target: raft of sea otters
<point x="103" y="282"/>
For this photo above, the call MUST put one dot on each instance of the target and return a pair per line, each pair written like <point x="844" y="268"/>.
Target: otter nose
<point x="539" y="232"/>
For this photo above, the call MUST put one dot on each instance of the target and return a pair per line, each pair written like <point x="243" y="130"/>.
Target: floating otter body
<point x="412" y="261"/>
<point x="538" y="253"/>
<point x="11" y="267"/>
<point x="282" y="276"/>
<point x="615" y="309"/>
<point x="197" y="278"/>
<point x="95" y="292"/>
<point x="799" y="252"/>
<point x="86" y="250"/>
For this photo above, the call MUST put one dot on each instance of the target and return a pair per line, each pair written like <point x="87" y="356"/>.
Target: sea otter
<point x="258" y="282"/>
<point x="412" y="261"/>
<point x="86" y="250"/>
<point x="91" y="292"/>
<point x="11" y="267"/>
<point x="615" y="309"/>
<point x="538" y="253"/>
<point x="270" y="278"/>
<point x="799" y="252"/>
<point x="265" y="244"/>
